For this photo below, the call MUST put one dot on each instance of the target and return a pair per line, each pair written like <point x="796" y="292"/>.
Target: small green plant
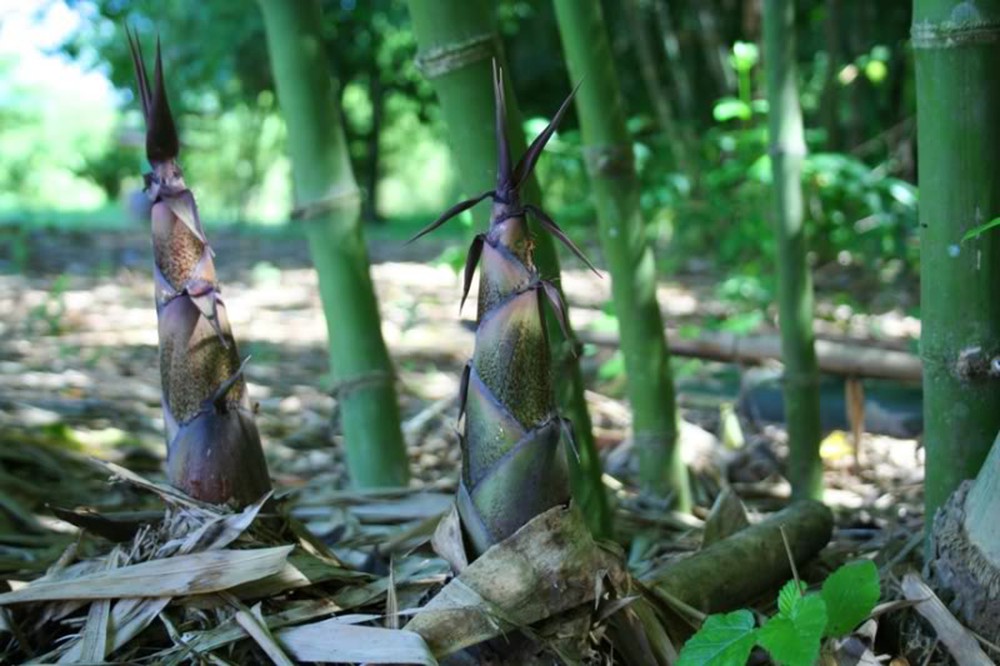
<point x="794" y="635"/>
<point x="50" y="314"/>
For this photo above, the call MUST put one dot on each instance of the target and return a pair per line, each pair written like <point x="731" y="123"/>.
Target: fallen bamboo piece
<point x="732" y="572"/>
<point x="960" y="643"/>
<point x="834" y="357"/>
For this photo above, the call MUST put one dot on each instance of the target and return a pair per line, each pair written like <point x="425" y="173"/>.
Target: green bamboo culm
<point x="615" y="188"/>
<point x="958" y="141"/>
<point x="328" y="202"/>
<point x="214" y="452"/>
<point x="514" y="457"/>
<point x="795" y="291"/>
<point x="457" y="42"/>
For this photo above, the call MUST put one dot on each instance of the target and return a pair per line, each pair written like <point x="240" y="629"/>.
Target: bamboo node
<point x="366" y="380"/>
<point x="336" y="197"/>
<point x="799" y="380"/>
<point x="609" y="161"/>
<point x="448" y="58"/>
<point x="974" y="363"/>
<point x="955" y="33"/>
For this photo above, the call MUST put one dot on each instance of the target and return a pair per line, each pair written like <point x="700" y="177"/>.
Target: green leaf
<point x="850" y="593"/>
<point x="724" y="640"/>
<point x="729" y="108"/>
<point x="789" y="598"/>
<point x="975" y="232"/>
<point x="795" y="641"/>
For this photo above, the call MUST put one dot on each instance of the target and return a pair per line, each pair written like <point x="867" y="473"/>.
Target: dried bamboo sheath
<point x="214" y="451"/>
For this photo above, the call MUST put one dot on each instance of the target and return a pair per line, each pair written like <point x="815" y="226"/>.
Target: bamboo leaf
<point x="335" y="641"/>
<point x="253" y="623"/>
<point x="978" y="231"/>
<point x="94" y="638"/>
<point x="128" y="618"/>
<point x="300" y="570"/>
<point x="174" y="576"/>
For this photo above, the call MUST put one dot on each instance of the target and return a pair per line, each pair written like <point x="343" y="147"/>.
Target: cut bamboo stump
<point x="732" y="572"/>
<point x="965" y="550"/>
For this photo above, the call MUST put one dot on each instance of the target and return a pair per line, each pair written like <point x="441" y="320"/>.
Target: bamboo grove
<point x="526" y="437"/>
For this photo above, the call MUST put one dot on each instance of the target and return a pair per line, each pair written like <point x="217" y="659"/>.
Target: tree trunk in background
<point x="716" y="52"/>
<point x="327" y="199"/>
<point x="654" y="87"/>
<point x="608" y="153"/>
<point x="830" y="106"/>
<point x="457" y="40"/>
<point x="376" y="93"/>
<point x="795" y="294"/>
<point x="958" y="139"/>
<point x="678" y="72"/>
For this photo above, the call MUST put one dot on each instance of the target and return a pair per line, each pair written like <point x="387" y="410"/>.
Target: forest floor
<point x="78" y="371"/>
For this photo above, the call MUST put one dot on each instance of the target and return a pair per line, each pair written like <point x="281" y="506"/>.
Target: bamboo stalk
<point x="214" y="452"/>
<point x="958" y="140"/>
<point x="615" y="187"/>
<point x="328" y="202"/>
<point x="795" y="293"/>
<point x="671" y="46"/>
<point x="457" y="41"/>
<point x="654" y="87"/>
<point x="716" y="52"/>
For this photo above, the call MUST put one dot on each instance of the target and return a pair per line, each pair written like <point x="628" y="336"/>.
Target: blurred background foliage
<point x="692" y="80"/>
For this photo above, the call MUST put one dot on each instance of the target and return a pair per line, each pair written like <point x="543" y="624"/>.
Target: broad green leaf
<point x="795" y="641"/>
<point x="789" y="598"/>
<point x="850" y="593"/>
<point x="724" y="640"/>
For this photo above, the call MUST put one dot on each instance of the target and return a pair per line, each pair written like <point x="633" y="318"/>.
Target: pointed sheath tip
<point x="527" y="162"/>
<point x="139" y="65"/>
<point x="503" y="149"/>
<point x="162" y="143"/>
<point x="458" y="208"/>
